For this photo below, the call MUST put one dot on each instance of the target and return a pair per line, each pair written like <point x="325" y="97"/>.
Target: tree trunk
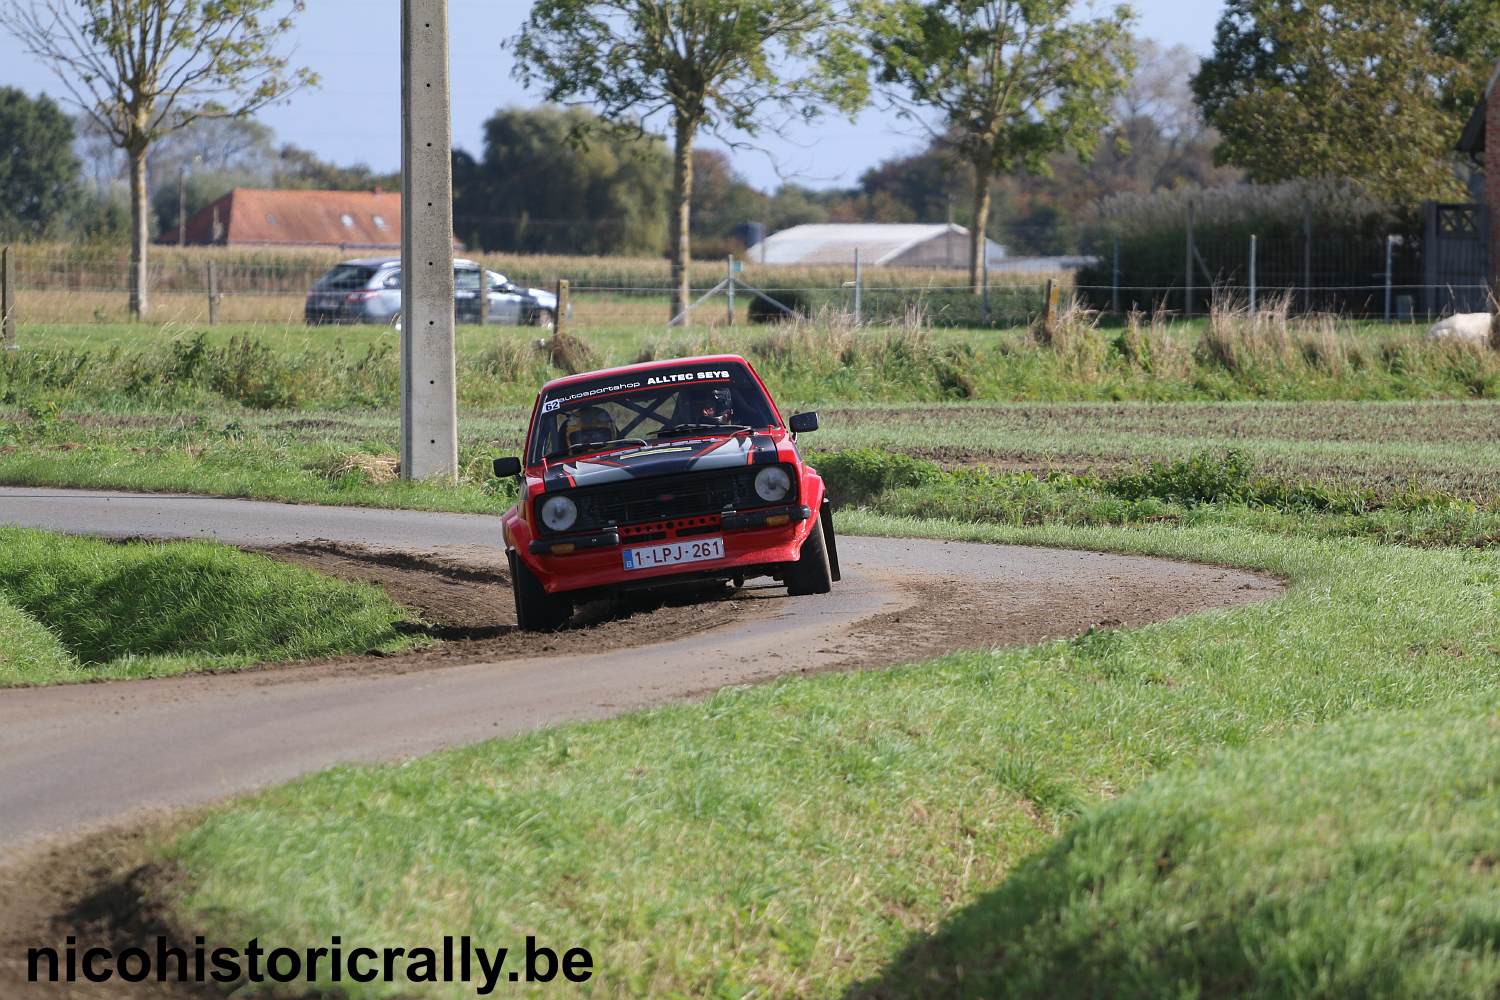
<point x="978" y="244"/>
<point x="682" y="197"/>
<point x="139" y="207"/>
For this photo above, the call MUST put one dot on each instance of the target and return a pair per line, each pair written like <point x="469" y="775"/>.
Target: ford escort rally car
<point x="660" y="474"/>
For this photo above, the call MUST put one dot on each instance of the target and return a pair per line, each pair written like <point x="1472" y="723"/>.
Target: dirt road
<point x="80" y="755"/>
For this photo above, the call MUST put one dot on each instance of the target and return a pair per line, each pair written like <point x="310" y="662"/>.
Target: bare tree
<point x="143" y="68"/>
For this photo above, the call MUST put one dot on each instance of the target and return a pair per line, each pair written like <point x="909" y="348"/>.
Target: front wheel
<point x="542" y="318"/>
<point x="810" y="574"/>
<point x="536" y="610"/>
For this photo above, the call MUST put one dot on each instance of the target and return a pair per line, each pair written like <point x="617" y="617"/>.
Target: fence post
<point x="984" y="267"/>
<point x="560" y="321"/>
<point x="1049" y="311"/>
<point x="7" y="299"/>
<point x="729" y="289"/>
<point x="1114" y="286"/>
<point x="1253" y="249"/>
<point x="858" y="278"/>
<point x="1187" y="286"/>
<point x="484" y="296"/>
<point x="213" y="293"/>
<point x="1389" y="241"/>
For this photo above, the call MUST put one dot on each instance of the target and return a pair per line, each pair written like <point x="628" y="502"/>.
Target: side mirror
<point x="507" y="467"/>
<point x="801" y="423"/>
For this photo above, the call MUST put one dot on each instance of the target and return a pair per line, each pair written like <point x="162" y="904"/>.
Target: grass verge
<point x="84" y="609"/>
<point x="800" y="837"/>
<point x="1358" y="859"/>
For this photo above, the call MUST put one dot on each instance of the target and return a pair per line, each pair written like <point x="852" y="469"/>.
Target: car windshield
<point x="657" y="404"/>
<point x="345" y="277"/>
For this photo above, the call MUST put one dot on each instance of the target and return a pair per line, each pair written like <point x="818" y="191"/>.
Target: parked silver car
<point x="369" y="291"/>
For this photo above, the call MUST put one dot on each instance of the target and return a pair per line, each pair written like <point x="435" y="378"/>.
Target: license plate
<point x="674" y="553"/>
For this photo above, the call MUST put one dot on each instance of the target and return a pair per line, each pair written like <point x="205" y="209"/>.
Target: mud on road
<point x="464" y="602"/>
<point x="462" y="599"/>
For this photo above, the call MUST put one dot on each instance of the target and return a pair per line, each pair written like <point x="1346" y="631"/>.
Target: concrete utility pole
<point x="429" y="406"/>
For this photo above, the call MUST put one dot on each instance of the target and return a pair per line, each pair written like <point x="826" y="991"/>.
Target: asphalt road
<point x="74" y="756"/>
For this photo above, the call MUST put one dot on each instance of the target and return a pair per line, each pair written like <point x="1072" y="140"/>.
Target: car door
<point x="466" y="294"/>
<point x="506" y="305"/>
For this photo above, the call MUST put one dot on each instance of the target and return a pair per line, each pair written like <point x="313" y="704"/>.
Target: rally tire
<point x="536" y="610"/>
<point x="810" y="574"/>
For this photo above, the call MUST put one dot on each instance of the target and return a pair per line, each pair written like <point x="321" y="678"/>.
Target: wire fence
<point x="1430" y="266"/>
<point x="82" y="286"/>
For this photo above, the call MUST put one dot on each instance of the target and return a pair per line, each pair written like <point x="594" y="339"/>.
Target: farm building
<point x="879" y="245"/>
<point x="1485" y="151"/>
<point x="351" y="220"/>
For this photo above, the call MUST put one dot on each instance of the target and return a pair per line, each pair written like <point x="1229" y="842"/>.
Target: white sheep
<point x="1466" y="328"/>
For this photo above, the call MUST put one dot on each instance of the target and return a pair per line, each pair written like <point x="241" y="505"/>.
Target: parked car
<point x="369" y="291"/>
<point x="657" y="474"/>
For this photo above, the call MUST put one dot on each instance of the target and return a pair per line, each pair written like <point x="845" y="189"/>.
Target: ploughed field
<point x="344" y="456"/>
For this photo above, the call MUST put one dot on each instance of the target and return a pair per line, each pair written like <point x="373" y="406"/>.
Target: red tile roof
<point x="249" y="216"/>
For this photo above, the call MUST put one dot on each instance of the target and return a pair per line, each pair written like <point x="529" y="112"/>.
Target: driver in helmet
<point x="707" y="406"/>
<point x="588" y="427"/>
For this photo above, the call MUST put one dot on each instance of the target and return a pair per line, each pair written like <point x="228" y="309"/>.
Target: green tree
<point x="1013" y="82"/>
<point x="1370" y="91"/>
<point x="39" y="175"/>
<point x="703" y="64"/>
<point x="144" y="68"/>
<point x="535" y="192"/>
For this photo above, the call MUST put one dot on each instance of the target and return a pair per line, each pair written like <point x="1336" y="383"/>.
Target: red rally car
<point x="660" y="474"/>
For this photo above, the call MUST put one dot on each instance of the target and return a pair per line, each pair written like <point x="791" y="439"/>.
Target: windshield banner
<point x="568" y="395"/>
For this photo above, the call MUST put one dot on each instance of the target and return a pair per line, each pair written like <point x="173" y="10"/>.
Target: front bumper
<point x="753" y="540"/>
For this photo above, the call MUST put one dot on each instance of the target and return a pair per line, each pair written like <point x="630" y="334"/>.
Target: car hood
<point x="542" y="297"/>
<point x="694" y="454"/>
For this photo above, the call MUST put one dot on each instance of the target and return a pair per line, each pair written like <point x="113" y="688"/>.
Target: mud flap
<point x="829" y="542"/>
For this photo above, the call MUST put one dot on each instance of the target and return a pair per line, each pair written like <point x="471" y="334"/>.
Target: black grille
<point x="661" y="498"/>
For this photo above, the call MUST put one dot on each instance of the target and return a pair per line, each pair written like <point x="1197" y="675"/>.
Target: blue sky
<point x="356" y="116"/>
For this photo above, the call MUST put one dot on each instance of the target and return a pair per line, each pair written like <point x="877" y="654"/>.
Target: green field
<point x="82" y="609"/>
<point x="310" y="416"/>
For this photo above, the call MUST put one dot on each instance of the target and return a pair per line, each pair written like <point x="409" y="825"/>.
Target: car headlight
<point x="559" y="513"/>
<point x="772" y="483"/>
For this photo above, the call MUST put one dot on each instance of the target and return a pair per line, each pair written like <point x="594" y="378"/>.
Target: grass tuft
<point x="31" y="653"/>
